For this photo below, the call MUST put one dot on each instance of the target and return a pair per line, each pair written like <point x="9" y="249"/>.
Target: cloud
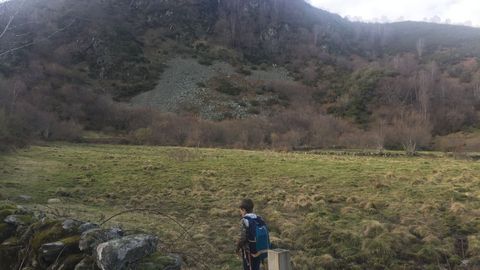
<point x="457" y="11"/>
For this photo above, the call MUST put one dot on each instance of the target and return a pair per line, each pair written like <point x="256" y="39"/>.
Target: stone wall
<point x="32" y="241"/>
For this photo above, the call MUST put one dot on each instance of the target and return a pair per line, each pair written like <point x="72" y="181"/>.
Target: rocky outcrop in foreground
<point x="31" y="241"/>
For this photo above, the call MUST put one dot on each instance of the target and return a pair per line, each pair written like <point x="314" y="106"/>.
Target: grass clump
<point x="372" y="228"/>
<point x="420" y="231"/>
<point x="326" y="261"/>
<point x="5" y="213"/>
<point x="157" y="261"/>
<point x="344" y="243"/>
<point x="457" y="208"/>
<point x="429" y="254"/>
<point x="379" y="251"/>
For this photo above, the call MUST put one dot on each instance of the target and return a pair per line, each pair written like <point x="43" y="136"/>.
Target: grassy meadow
<point x="331" y="211"/>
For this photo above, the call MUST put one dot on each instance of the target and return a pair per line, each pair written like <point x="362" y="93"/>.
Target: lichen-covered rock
<point x="71" y="225"/>
<point x="17" y="220"/>
<point x="54" y="201"/>
<point x="47" y="232"/>
<point x="49" y="252"/>
<point x="51" y="231"/>
<point x="55" y="244"/>
<point x="39" y="215"/>
<point x="24" y="198"/>
<point x="90" y="239"/>
<point x="119" y="253"/>
<point x="87" y="226"/>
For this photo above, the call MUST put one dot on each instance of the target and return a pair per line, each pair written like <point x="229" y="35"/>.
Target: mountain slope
<point x="65" y="59"/>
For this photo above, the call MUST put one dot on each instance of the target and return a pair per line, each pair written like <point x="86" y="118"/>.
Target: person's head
<point x="246" y="206"/>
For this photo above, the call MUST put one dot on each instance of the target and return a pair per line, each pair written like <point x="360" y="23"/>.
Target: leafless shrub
<point x="410" y="131"/>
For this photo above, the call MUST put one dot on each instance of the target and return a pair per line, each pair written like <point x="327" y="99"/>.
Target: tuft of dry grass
<point x="372" y="228"/>
<point x="457" y="208"/>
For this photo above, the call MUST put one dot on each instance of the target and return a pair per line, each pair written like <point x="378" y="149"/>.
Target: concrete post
<point x="279" y="259"/>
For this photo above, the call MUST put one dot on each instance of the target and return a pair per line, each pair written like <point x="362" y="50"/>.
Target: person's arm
<point x="242" y="238"/>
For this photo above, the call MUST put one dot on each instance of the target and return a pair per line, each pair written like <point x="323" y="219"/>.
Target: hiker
<point x="253" y="242"/>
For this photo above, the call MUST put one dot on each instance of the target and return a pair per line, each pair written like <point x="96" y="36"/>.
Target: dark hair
<point x="247" y="205"/>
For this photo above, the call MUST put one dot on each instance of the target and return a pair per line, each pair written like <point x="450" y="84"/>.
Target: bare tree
<point x="379" y="135"/>
<point x="10" y="20"/>
<point x="476" y="87"/>
<point x="410" y="130"/>
<point x="423" y="93"/>
<point x="420" y="47"/>
<point x="317" y="30"/>
<point x="16" y="90"/>
<point x="9" y="26"/>
<point x="48" y="37"/>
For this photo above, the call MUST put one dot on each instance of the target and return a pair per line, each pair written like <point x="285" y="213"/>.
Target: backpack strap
<point x="260" y="221"/>
<point x="246" y="221"/>
<point x="250" y="231"/>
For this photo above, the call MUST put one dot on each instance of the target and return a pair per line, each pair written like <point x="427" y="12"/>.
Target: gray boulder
<point x="90" y="239"/>
<point x="120" y="253"/>
<point x="24" y="198"/>
<point x="54" y="201"/>
<point x="13" y="220"/>
<point x="39" y="215"/>
<point x="49" y="252"/>
<point x="66" y="248"/>
<point x="87" y="226"/>
<point x="71" y="224"/>
<point x="22" y="210"/>
<point x="17" y="220"/>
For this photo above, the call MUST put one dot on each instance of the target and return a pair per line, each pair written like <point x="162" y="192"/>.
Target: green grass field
<point x="335" y="212"/>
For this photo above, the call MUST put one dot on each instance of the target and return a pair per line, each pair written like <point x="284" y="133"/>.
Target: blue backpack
<point x="258" y="238"/>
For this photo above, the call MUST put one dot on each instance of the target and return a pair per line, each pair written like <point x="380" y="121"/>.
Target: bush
<point x="227" y="87"/>
<point x="410" y="132"/>
<point x="141" y="136"/>
<point x="65" y="131"/>
<point x="244" y="71"/>
<point x="205" y="60"/>
<point x="4" y="132"/>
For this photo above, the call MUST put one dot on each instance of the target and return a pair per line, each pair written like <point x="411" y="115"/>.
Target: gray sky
<point x="451" y="11"/>
<point x="465" y="12"/>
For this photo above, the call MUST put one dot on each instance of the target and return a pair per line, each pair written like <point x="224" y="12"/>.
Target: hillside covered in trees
<point x="72" y="66"/>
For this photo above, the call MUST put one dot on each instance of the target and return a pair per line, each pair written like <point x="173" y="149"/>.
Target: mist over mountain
<point x="462" y="12"/>
<point x="285" y="73"/>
